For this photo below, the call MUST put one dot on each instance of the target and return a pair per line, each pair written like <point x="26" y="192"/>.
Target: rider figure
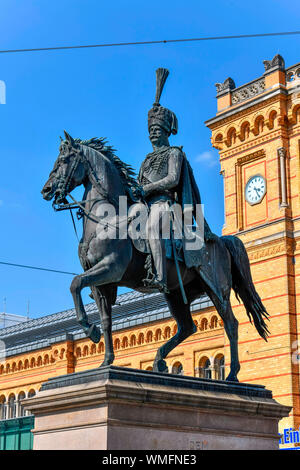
<point x="166" y="178"/>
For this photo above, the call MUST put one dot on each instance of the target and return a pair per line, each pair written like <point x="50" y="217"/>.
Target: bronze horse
<point x="109" y="262"/>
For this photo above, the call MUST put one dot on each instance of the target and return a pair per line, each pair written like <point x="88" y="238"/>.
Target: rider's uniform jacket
<point x="160" y="174"/>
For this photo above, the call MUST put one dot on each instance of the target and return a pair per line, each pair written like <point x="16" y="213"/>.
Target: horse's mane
<point x="127" y="174"/>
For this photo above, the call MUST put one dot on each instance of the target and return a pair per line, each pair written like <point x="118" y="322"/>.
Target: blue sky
<point x="107" y="92"/>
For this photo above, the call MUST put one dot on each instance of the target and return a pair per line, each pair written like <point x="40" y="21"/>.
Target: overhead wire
<point x="144" y="43"/>
<point x="38" y="268"/>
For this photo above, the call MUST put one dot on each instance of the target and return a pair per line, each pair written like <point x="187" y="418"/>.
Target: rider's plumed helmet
<point x="158" y="115"/>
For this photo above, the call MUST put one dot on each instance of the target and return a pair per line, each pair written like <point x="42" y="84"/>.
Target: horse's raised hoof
<point x="160" y="366"/>
<point x="94" y="333"/>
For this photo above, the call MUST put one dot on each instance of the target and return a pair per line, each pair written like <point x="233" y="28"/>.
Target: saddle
<point x="203" y="259"/>
<point x="141" y="243"/>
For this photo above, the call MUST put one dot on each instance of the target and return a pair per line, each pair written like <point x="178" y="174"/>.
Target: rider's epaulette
<point x="176" y="147"/>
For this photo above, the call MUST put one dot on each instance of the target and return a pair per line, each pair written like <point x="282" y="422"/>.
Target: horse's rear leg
<point x="185" y="328"/>
<point x="231" y="327"/>
<point x="103" y="298"/>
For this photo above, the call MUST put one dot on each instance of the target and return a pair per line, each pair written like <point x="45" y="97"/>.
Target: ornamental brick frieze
<point x="234" y="134"/>
<point x="24" y="363"/>
<point x="71" y="353"/>
<point x="251" y="157"/>
<point x="246" y="147"/>
<point x="254" y="143"/>
<point x="246" y="113"/>
<point x="286" y="247"/>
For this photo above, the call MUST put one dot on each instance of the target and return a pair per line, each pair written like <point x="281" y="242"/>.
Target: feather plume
<point x="161" y="77"/>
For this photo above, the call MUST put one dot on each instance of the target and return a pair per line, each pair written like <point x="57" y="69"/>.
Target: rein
<point x="64" y="187"/>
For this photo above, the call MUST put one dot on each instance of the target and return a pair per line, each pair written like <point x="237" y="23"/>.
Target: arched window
<point x="272" y="117"/>
<point x="158" y="335"/>
<point x="149" y="337"/>
<point x="20" y="408"/>
<point x="3" y="407"/>
<point x="261" y="125"/>
<point x="205" y="368"/>
<point x="141" y="338"/>
<point x="132" y="340"/>
<point x="39" y="361"/>
<point x="167" y="332"/>
<point x="214" y="322"/>
<point x="101" y="348"/>
<point x="149" y="368"/>
<point x="31" y="393"/>
<point x="220" y="368"/>
<point x="258" y="125"/>
<point x="203" y="324"/>
<point x="245" y="131"/>
<point x="125" y="342"/>
<point x="231" y="137"/>
<point x="85" y="350"/>
<point x="117" y="344"/>
<point x="78" y="352"/>
<point x="12" y="405"/>
<point x="177" y="368"/>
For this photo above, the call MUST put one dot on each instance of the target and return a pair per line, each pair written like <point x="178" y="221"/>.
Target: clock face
<point x="255" y="189"/>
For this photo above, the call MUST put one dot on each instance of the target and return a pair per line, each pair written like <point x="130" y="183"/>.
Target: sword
<point x="176" y="259"/>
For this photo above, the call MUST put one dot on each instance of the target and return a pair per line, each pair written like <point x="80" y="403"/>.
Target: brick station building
<point x="257" y="132"/>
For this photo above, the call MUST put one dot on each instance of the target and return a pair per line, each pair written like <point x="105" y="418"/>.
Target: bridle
<point x="64" y="185"/>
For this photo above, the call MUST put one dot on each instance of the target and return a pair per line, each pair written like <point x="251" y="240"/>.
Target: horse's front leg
<point x="107" y="271"/>
<point x="103" y="298"/>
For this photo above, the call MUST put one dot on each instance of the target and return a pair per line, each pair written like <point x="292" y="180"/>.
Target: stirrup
<point x="156" y="284"/>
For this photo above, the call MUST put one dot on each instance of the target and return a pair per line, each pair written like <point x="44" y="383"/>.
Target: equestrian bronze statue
<point x="149" y="261"/>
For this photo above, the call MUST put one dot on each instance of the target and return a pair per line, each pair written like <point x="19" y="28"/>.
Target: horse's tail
<point x="243" y="286"/>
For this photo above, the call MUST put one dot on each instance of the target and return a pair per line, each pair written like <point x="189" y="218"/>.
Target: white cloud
<point x="208" y="158"/>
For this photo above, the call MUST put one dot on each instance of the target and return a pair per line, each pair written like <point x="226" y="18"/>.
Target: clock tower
<point x="257" y="132"/>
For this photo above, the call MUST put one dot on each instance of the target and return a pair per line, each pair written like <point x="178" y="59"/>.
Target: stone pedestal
<point x="116" y="408"/>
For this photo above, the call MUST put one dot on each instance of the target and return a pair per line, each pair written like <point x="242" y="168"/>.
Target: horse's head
<point x="68" y="171"/>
